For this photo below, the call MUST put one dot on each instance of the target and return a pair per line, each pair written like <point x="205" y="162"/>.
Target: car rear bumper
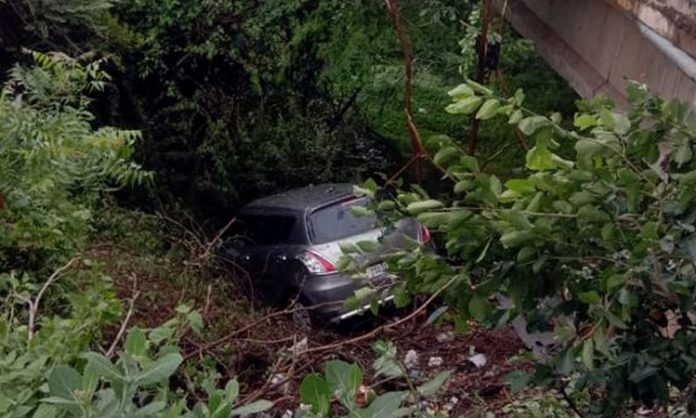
<point x="330" y="292"/>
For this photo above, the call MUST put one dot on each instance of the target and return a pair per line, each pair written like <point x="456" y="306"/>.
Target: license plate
<point x="376" y="270"/>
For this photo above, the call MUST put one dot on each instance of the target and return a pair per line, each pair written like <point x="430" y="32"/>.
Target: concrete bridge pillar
<point x="598" y="44"/>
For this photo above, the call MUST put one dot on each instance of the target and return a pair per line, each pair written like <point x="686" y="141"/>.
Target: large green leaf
<point x="252" y="408"/>
<point x="386" y="405"/>
<point x="343" y="378"/>
<point x="161" y="369"/>
<point x="102" y="366"/>
<point x="136" y="343"/>
<point x="434" y="385"/>
<point x="464" y="106"/>
<point x="315" y="391"/>
<point x="63" y="381"/>
<point x="540" y="158"/>
<point x="424" y="206"/>
<point x="531" y="124"/>
<point x="488" y="109"/>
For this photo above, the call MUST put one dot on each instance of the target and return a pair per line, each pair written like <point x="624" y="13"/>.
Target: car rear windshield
<point x="337" y="221"/>
<point x="265" y="229"/>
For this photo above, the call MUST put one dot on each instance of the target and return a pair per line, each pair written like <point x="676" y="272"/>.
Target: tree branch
<point x="34" y="305"/>
<point x="416" y="144"/>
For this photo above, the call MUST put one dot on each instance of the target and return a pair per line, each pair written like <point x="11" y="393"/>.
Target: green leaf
<point x="519" y="97"/>
<point x="102" y="366"/>
<point x="151" y="409"/>
<point x="591" y="297"/>
<point x="488" y="110"/>
<point x="47" y="411"/>
<point x="684" y="154"/>
<point x="479" y="87"/>
<point x="63" y="381"/>
<point x="615" y="280"/>
<point x="424" y="206"/>
<point x="516" y="218"/>
<point x="518" y="380"/>
<point x="521" y="186"/>
<point x="479" y="308"/>
<point x="461" y="91"/>
<point x="531" y="124"/>
<point x="349" y="247"/>
<point x="465" y="106"/>
<point x="136" y="343"/>
<point x="315" y="391"/>
<point x="433" y="386"/>
<point x="462" y="186"/>
<point x="540" y="159"/>
<point x="253" y="408"/>
<point x="368" y="246"/>
<point x="525" y="254"/>
<point x="386" y="405"/>
<point x="516" y="117"/>
<point x="590" y="213"/>
<point x="588" y="354"/>
<point x="386" y="205"/>
<point x="161" y="369"/>
<point x="617" y="122"/>
<point x="445" y="155"/>
<point x="343" y="377"/>
<point x="437" y="314"/>
<point x="231" y="390"/>
<point x="360" y="211"/>
<point x="583" y="121"/>
<point x="433" y="219"/>
<point x="642" y="373"/>
<point x="615" y="320"/>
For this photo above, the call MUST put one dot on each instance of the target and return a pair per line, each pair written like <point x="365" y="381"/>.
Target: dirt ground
<point x="251" y="342"/>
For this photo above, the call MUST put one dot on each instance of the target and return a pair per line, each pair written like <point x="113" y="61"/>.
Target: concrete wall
<point x="598" y="44"/>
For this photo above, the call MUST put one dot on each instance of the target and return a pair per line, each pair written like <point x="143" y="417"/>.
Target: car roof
<point x="302" y="199"/>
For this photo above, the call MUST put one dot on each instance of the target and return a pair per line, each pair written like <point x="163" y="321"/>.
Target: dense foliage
<point x="597" y="248"/>
<point x="587" y="234"/>
<point x="55" y="169"/>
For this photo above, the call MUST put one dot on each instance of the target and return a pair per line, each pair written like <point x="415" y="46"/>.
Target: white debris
<point x="299" y="346"/>
<point x="435" y="361"/>
<point x="287" y="414"/>
<point x="445" y="337"/>
<point x="280" y="380"/>
<point x="411" y="360"/>
<point x="479" y="360"/>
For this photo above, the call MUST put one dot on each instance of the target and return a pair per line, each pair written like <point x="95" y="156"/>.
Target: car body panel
<point x="276" y="265"/>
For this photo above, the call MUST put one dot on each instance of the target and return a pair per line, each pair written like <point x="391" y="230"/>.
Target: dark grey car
<point x="290" y="244"/>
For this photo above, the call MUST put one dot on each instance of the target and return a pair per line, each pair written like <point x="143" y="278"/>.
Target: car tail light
<point x="317" y="264"/>
<point x="423" y="235"/>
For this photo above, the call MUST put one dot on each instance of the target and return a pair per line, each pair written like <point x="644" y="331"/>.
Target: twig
<point x="570" y="400"/>
<point x="34" y="305"/>
<point x="206" y="254"/>
<point x="231" y="336"/>
<point x="124" y="324"/>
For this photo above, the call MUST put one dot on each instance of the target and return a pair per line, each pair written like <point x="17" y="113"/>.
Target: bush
<point x="598" y="249"/>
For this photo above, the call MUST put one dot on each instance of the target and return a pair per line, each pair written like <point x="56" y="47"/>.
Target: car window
<point x="265" y="229"/>
<point x="337" y="221"/>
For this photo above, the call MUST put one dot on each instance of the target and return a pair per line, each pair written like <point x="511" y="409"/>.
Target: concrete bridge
<point x="597" y="44"/>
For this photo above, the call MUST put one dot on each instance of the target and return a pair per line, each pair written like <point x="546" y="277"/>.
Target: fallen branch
<point x="34" y="305"/>
<point x="232" y="335"/>
<point x="124" y="324"/>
